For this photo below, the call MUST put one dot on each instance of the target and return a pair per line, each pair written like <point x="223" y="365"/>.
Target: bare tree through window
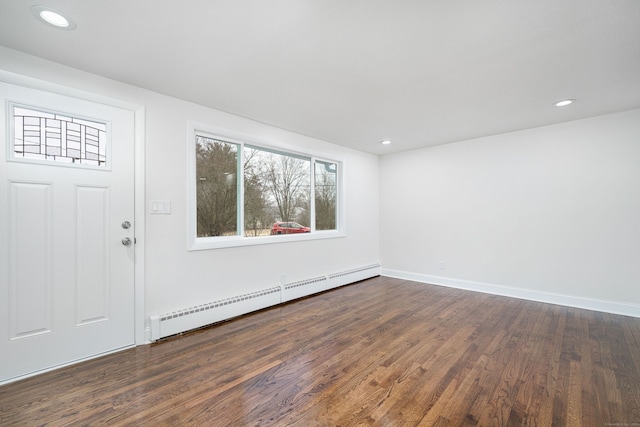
<point x="287" y="180"/>
<point x="325" y="174"/>
<point x="217" y="187"/>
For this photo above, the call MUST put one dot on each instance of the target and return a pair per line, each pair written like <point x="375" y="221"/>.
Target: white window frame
<point x="195" y="243"/>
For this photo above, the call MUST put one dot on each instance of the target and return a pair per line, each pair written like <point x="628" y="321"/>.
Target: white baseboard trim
<point x="612" y="307"/>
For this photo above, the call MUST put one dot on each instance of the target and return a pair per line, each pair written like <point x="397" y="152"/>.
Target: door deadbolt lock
<point x="126" y="225"/>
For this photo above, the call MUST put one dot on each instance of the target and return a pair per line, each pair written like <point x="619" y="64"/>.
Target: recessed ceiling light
<point x="53" y="17"/>
<point x="564" y="102"/>
<point x="385" y="142"/>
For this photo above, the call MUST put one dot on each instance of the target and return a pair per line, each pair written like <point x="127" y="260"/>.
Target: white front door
<point x="66" y="204"/>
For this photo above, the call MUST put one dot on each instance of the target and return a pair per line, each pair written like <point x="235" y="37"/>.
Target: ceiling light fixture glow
<point x="564" y="102"/>
<point x="385" y="142"/>
<point x="53" y="17"/>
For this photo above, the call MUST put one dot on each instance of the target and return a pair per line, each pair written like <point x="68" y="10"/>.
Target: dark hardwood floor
<point x="382" y="352"/>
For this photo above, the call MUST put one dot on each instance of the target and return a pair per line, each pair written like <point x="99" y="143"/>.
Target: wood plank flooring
<point x="382" y="352"/>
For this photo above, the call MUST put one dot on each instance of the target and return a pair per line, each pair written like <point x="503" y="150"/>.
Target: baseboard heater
<point x="182" y="320"/>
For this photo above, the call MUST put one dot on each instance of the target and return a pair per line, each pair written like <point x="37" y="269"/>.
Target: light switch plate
<point x="160" y="207"/>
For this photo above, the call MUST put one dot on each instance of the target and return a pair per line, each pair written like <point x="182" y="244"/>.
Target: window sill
<point x="206" y="243"/>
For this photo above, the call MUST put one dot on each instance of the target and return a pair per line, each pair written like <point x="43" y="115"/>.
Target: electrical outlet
<point x="442" y="266"/>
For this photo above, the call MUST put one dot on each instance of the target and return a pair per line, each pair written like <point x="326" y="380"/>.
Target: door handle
<point x="126" y="241"/>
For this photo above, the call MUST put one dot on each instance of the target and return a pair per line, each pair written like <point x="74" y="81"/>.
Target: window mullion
<point x="312" y="195"/>
<point x="240" y="197"/>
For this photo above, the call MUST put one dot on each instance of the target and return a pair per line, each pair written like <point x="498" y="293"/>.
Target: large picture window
<point x="246" y="193"/>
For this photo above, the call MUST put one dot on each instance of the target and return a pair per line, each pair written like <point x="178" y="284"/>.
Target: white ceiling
<point x="355" y="72"/>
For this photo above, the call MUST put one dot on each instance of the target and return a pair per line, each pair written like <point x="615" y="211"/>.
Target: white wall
<point x="551" y="213"/>
<point x="176" y="278"/>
